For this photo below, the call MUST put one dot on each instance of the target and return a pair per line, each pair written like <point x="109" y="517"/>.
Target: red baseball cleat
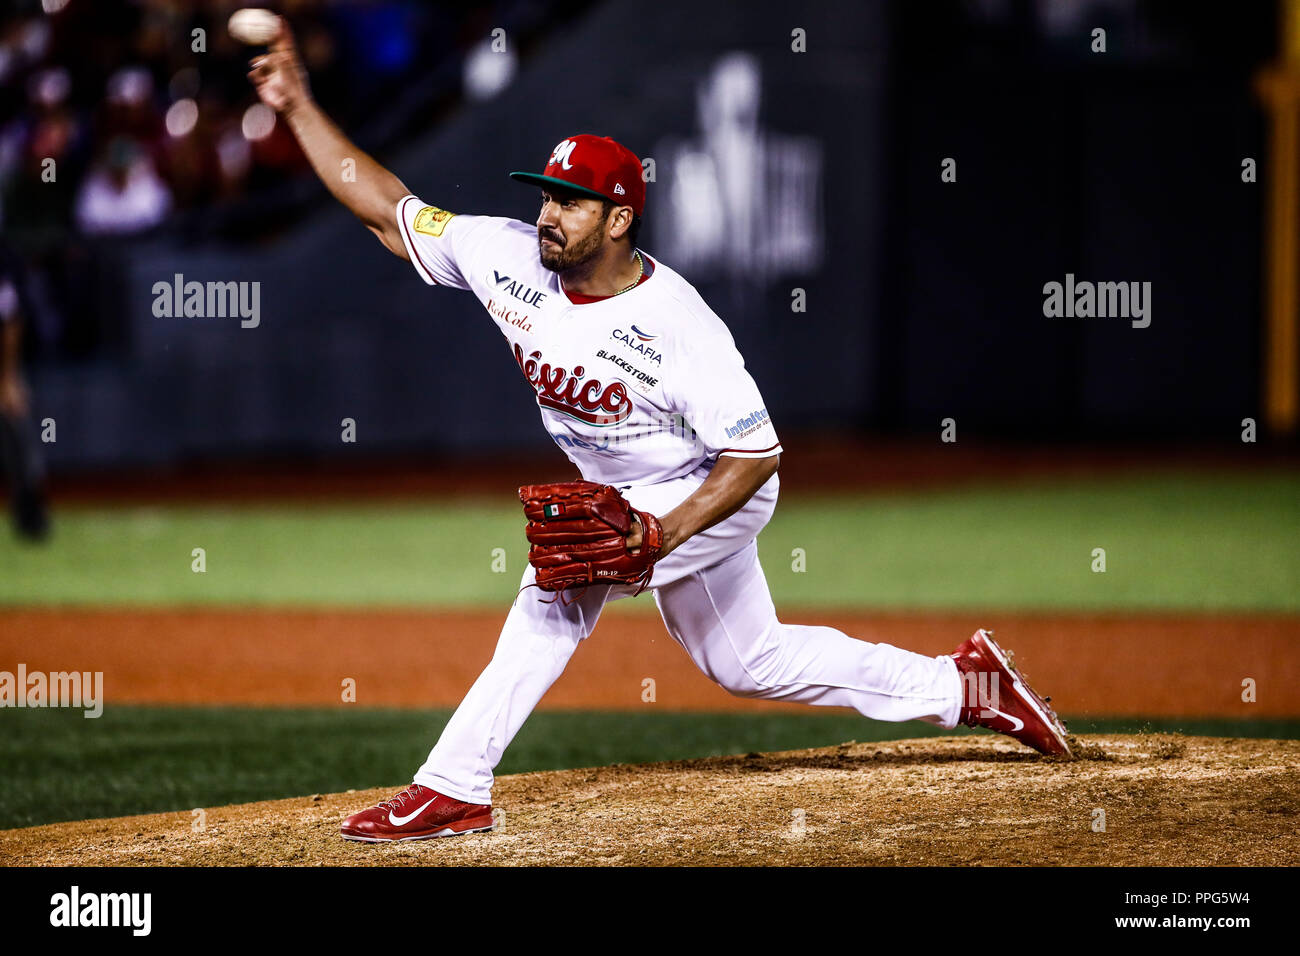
<point x="417" y="813"/>
<point x="997" y="696"/>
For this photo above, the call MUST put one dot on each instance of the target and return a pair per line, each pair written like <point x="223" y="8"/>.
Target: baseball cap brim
<point x="537" y="179"/>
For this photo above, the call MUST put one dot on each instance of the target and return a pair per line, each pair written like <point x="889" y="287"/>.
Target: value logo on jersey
<point x="525" y="294"/>
<point x="432" y="221"/>
<point x="636" y="341"/>
<point x="564" y="391"/>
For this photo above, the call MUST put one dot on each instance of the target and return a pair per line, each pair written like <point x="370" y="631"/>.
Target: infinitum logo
<point x="76" y="908"/>
<point x="750" y="423"/>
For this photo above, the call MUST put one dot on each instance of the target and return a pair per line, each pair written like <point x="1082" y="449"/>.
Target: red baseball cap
<point x="595" y="166"/>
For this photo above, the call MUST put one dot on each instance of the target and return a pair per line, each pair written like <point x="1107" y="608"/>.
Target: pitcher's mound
<point x="1146" y="799"/>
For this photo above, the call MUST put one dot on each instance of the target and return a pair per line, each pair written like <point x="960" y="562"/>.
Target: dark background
<point x="924" y="300"/>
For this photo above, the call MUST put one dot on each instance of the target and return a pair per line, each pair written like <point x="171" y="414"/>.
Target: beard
<point x="573" y="254"/>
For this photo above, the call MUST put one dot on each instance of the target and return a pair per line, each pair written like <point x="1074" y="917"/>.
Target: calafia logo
<point x="636" y="340"/>
<point x="566" y="392"/>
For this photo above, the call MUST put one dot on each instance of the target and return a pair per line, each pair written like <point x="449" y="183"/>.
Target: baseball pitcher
<point x="641" y="385"/>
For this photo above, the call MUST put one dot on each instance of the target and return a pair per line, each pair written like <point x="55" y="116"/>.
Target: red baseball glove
<point x="577" y="530"/>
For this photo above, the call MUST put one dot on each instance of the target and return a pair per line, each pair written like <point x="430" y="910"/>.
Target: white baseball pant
<point x="715" y="602"/>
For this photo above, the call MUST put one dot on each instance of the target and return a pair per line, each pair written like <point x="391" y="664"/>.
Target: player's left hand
<point x="634" y="537"/>
<point x="584" y="533"/>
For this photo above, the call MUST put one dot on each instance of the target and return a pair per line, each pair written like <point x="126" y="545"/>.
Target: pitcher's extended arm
<point x="368" y="189"/>
<point x="732" y="482"/>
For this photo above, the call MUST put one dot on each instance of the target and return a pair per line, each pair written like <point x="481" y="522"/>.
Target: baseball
<point x="254" y="26"/>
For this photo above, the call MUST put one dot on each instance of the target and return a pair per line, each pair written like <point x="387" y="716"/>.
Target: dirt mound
<point x="970" y="800"/>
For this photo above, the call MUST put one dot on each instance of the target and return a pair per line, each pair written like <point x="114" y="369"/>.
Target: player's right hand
<point x="278" y="76"/>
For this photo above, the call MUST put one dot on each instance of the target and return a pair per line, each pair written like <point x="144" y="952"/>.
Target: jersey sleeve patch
<point x="436" y="250"/>
<point x="431" y="220"/>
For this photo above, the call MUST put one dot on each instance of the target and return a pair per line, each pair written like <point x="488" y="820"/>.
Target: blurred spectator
<point x="154" y="92"/>
<point x="130" y="108"/>
<point x="20" y="452"/>
<point x="123" y="193"/>
<point x="43" y="147"/>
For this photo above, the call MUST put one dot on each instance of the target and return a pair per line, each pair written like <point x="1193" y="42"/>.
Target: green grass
<point x="1193" y="542"/>
<point x="57" y="765"/>
<point x="346" y="555"/>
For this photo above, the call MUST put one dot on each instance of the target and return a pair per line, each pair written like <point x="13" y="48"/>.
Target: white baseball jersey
<point x="643" y="390"/>
<point x="638" y="388"/>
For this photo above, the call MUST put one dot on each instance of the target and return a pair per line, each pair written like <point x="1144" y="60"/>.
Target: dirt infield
<point x="1167" y="801"/>
<point x="1104" y="665"/>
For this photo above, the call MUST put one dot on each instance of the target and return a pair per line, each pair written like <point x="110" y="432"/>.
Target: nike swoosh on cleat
<point x="403" y="821"/>
<point x="1019" y="724"/>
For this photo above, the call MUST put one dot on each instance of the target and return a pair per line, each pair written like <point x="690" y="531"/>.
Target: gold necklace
<point x="637" y="281"/>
